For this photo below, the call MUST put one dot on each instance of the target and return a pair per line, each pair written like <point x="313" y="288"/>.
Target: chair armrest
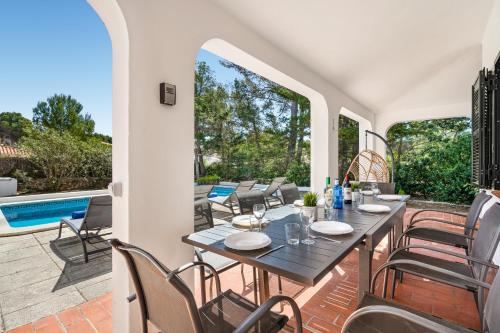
<point x="199" y="263"/>
<point x="394" y="263"/>
<point x="255" y="316"/>
<point x="435" y="219"/>
<point x="436" y="249"/>
<point x="400" y="314"/>
<point x="410" y="230"/>
<point x="434" y="210"/>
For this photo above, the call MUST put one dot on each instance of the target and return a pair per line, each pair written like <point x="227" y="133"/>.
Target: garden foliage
<point x="432" y="159"/>
<point x="253" y="128"/>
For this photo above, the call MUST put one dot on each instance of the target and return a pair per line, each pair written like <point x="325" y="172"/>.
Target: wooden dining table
<point x="308" y="264"/>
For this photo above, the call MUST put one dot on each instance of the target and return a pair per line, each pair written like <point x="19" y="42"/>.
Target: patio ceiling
<point x="377" y="51"/>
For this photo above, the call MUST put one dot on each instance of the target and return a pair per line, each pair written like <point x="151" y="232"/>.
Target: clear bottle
<point x="338" y="197"/>
<point x="327" y="193"/>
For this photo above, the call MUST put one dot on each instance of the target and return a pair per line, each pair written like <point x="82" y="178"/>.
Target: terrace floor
<point x="324" y="307"/>
<point x="41" y="277"/>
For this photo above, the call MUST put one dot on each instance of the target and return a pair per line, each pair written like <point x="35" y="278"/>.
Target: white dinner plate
<point x="389" y="197"/>
<point x="369" y="192"/>
<point x="331" y="228"/>
<point x="245" y="220"/>
<point x="247" y="241"/>
<point x="374" y="208"/>
<point x="298" y="203"/>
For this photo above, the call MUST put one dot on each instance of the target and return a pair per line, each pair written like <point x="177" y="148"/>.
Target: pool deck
<point x="40" y="277"/>
<point x="7" y="230"/>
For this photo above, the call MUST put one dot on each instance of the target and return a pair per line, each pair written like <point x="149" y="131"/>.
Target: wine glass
<point x="259" y="210"/>
<point x="307" y="221"/>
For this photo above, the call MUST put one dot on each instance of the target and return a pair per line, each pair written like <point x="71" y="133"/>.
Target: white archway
<point x="320" y="159"/>
<point x="364" y="124"/>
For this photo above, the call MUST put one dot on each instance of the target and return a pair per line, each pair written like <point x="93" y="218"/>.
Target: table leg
<point x="364" y="270"/>
<point x="263" y="279"/>
<point x="398" y="230"/>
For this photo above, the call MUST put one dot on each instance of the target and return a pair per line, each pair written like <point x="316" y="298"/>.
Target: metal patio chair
<point x="231" y="200"/>
<point x="385" y="188"/>
<point x="379" y="315"/>
<point x="202" y="191"/>
<point x="269" y="193"/>
<point x="462" y="240"/>
<point x="246" y="200"/>
<point x="289" y="193"/>
<point x="203" y="219"/>
<point x="167" y="302"/>
<point x="475" y="265"/>
<point x="97" y="217"/>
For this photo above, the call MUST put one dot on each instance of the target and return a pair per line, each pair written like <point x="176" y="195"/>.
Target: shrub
<point x="208" y="180"/>
<point x="299" y="173"/>
<point x="61" y="156"/>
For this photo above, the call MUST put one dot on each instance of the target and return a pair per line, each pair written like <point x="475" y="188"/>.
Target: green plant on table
<point x="354" y="185"/>
<point x="310" y="199"/>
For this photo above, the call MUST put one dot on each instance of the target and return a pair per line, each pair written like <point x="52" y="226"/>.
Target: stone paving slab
<point x="9" y="268"/>
<point x="40" y="276"/>
<point x="40" y="310"/>
<point x="20" y="253"/>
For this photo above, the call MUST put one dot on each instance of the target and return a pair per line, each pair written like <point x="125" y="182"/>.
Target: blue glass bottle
<point x="338" y="197"/>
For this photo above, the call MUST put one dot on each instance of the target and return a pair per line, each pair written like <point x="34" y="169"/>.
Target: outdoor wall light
<point x="167" y="93"/>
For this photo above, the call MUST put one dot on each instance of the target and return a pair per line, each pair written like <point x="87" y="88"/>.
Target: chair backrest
<point x="273" y="187"/>
<point x="290" y="193"/>
<point x="99" y="212"/>
<point x="491" y="319"/>
<point x="245" y="186"/>
<point x="164" y="299"/>
<point x="385" y="188"/>
<point x="202" y="215"/>
<point x="202" y="191"/>
<point x="486" y="240"/>
<point x="248" y="199"/>
<point x="474" y="211"/>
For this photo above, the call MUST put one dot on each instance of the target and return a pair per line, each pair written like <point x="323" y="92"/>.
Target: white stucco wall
<point x="491" y="37"/>
<point x="157" y="41"/>
<point x="446" y="93"/>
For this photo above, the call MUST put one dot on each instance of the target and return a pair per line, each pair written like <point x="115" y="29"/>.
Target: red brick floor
<point x="324" y="307"/>
<point x="91" y="317"/>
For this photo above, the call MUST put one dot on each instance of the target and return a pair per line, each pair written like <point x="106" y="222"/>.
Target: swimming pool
<point x="221" y="191"/>
<point x="41" y="212"/>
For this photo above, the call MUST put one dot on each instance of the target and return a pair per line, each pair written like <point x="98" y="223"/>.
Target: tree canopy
<point x="14" y="124"/>
<point x="253" y="127"/>
<point x="63" y="113"/>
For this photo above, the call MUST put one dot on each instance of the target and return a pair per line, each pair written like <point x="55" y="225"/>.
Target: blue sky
<point x="61" y="46"/>
<point x="54" y="46"/>
<point x="223" y="74"/>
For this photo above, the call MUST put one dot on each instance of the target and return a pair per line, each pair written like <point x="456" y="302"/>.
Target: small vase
<point x="311" y="212"/>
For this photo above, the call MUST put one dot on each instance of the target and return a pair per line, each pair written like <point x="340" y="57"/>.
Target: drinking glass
<point x="358" y="198"/>
<point x="375" y="190"/>
<point x="307" y="221"/>
<point x="259" y="210"/>
<point x="292" y="233"/>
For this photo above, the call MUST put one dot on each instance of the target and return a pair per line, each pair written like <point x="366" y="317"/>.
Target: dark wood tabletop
<point x="305" y="264"/>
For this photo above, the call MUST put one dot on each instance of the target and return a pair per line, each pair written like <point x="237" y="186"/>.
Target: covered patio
<point x="380" y="63"/>
<point x="324" y="308"/>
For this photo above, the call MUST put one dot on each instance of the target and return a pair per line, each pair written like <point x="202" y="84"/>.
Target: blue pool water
<point x="221" y="191"/>
<point x="37" y="213"/>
